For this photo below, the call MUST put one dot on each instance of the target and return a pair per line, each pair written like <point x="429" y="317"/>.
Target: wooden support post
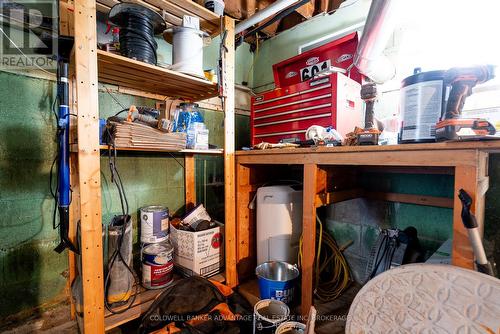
<point x="190" y="180"/>
<point x="89" y="166"/>
<point x="474" y="180"/>
<point x="308" y="235"/>
<point x="74" y="217"/>
<point x="245" y="252"/>
<point x="229" y="146"/>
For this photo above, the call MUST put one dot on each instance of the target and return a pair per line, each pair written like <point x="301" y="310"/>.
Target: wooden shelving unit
<point x="125" y="72"/>
<point x="149" y="149"/>
<point x="91" y="66"/>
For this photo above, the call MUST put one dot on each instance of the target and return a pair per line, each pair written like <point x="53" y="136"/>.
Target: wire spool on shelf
<point x="138" y="25"/>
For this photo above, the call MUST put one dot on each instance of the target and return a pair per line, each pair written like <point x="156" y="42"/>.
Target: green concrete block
<point x="344" y="233"/>
<point x="430" y="222"/>
<point x="369" y="235"/>
<point x="30" y="275"/>
<point x="420" y="184"/>
<point x="175" y="171"/>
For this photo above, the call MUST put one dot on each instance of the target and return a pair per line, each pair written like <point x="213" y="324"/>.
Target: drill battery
<point x="464" y="129"/>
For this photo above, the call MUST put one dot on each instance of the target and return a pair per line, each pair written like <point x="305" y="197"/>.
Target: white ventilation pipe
<point x="379" y="26"/>
<point x="263" y="14"/>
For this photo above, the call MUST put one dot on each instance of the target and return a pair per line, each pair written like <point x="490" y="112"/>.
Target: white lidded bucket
<point x="268" y="314"/>
<point x="291" y="327"/>
<point x="187" y="49"/>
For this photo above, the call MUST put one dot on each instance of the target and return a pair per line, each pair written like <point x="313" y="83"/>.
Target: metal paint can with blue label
<point x="157" y="265"/>
<point x="154" y="224"/>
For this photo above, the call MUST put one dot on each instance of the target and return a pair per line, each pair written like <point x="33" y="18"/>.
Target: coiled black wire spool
<point x="138" y="25"/>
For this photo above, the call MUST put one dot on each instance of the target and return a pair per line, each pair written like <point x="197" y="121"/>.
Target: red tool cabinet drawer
<point x="287" y="112"/>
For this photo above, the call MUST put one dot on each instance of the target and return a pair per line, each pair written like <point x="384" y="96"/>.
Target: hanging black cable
<point x="138" y="25"/>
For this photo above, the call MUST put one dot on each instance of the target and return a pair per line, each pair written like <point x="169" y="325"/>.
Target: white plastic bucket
<point x="187" y="49"/>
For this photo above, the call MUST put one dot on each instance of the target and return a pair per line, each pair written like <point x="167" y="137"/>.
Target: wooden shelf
<point x="149" y="149"/>
<point x="125" y="72"/>
<point x="141" y="304"/>
<point x="173" y="11"/>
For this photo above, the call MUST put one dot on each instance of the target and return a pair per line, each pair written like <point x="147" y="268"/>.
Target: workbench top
<point x="486" y="145"/>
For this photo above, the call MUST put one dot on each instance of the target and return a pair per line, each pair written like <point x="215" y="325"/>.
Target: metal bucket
<point x="291" y="327"/>
<point x="154" y="224"/>
<point x="277" y="280"/>
<point x="268" y="314"/>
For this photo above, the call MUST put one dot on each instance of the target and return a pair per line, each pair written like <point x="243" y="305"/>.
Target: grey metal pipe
<point x="379" y="26"/>
<point x="263" y="14"/>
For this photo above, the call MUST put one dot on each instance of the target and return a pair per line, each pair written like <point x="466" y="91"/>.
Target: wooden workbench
<point x="329" y="176"/>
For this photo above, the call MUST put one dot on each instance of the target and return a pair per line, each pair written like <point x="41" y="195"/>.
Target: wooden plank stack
<point x="137" y="135"/>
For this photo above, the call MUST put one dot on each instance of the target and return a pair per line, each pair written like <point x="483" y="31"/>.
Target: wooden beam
<point x="246" y="227"/>
<point x="474" y="180"/>
<point x="89" y="166"/>
<point x="441" y="202"/>
<point x="229" y="148"/>
<point x="358" y="157"/>
<point x="190" y="181"/>
<point x="337" y="196"/>
<point x="308" y="235"/>
<point x="465" y="178"/>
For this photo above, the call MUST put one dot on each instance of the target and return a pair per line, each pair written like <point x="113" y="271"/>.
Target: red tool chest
<point x="287" y="112"/>
<point x="338" y="53"/>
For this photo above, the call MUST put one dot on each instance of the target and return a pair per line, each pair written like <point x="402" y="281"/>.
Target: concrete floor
<point x="331" y="319"/>
<point x="332" y="316"/>
<point x="54" y="321"/>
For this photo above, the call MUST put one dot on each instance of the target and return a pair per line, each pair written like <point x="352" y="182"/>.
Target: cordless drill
<point x="370" y="134"/>
<point x="452" y="126"/>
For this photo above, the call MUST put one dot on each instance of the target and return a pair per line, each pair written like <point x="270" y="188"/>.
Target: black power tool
<point x="452" y="126"/>
<point x="370" y="134"/>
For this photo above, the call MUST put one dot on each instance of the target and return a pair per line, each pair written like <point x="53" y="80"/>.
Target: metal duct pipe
<point x="263" y="14"/>
<point x="379" y="26"/>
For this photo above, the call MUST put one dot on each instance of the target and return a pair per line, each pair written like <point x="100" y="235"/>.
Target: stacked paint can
<point x="157" y="251"/>
<point x="157" y="265"/>
<point x="154" y="224"/>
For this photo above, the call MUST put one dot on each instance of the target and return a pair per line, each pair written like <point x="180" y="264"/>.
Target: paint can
<point x="291" y="327"/>
<point x="157" y="265"/>
<point x="154" y="224"/>
<point x="268" y="314"/>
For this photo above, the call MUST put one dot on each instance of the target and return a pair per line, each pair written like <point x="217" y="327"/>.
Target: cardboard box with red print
<point x="198" y="253"/>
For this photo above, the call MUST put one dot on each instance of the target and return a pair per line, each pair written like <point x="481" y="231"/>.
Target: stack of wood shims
<point x="136" y="135"/>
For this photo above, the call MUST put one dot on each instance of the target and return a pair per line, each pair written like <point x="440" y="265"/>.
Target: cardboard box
<point x="198" y="253"/>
